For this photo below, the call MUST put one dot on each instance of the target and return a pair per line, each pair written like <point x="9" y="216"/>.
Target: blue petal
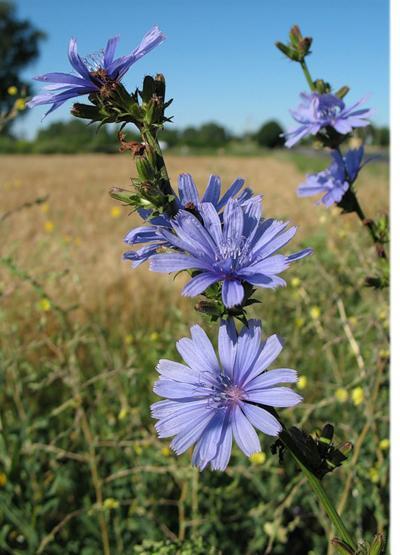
<point x="187" y="190"/>
<point x="232" y="293"/>
<point x="110" y="51"/>
<point x="213" y="190"/>
<point x="275" y="397"/>
<point x="227" y="345"/>
<point x="262" y="419"/>
<point x="244" y="433"/>
<point x="199" y="283"/>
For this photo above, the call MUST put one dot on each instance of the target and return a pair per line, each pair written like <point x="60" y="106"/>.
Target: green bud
<point x="287" y="50"/>
<point x="86" y="111"/>
<point x="148" y="88"/>
<point x="144" y="168"/>
<point x="341" y="547"/>
<point x="295" y="35"/>
<point x="120" y="194"/>
<point x="377" y="545"/>
<point x="341" y="93"/>
<point x="159" y="82"/>
<point x="322" y="87"/>
<point x="345" y="448"/>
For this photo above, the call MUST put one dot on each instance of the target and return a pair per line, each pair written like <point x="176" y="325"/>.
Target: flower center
<point x="224" y="392"/>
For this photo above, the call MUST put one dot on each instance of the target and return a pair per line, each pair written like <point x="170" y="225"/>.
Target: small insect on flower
<point x="210" y="402"/>
<point x="241" y="249"/>
<point x="319" y="111"/>
<point x="97" y="73"/>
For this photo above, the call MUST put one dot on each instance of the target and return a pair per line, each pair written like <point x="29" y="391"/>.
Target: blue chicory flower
<point x="335" y="180"/>
<point x="94" y="72"/>
<point x="188" y="199"/>
<point x="240" y="249"/>
<point x="322" y="110"/>
<point x="209" y="402"/>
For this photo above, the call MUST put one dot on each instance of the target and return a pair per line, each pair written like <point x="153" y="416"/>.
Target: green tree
<point x="270" y="135"/>
<point x="19" y="47"/>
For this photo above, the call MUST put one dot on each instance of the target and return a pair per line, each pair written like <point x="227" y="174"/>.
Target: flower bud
<point x="341" y="93"/>
<point x="86" y="111"/>
<point x="144" y="168"/>
<point x="341" y="547"/>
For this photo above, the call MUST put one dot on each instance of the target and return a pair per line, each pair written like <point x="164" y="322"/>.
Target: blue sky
<point x="219" y="59"/>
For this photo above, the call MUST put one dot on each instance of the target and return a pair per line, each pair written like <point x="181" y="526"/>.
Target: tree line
<point x="71" y="137"/>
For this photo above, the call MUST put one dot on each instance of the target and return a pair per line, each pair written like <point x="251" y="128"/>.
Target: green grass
<point x="81" y="465"/>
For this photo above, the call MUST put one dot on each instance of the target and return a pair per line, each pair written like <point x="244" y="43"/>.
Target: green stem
<point x="369" y="224"/>
<point x="307" y="75"/>
<point x="149" y="138"/>
<point x="318" y="489"/>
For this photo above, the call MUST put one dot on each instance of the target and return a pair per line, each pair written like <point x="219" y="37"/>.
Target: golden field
<point x="73" y="241"/>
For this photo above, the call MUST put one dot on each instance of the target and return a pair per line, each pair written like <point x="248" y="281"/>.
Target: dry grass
<point x="77" y="229"/>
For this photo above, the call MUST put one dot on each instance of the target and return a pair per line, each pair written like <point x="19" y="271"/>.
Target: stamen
<point x="95" y="60"/>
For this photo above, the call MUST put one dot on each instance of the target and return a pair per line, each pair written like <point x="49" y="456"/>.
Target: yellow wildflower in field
<point x="128" y="339"/>
<point x="116" y="212"/>
<point x="357" y="396"/>
<point x="166" y="452"/>
<point x="258" y="458"/>
<point x="20" y="104"/>
<point x="302" y="383"/>
<point x="154" y="336"/>
<point x="44" y="305"/>
<point x="12" y="91"/>
<point x="341" y="395"/>
<point x="110" y="503"/>
<point x="384" y="444"/>
<point x="3" y="479"/>
<point x="299" y="322"/>
<point x="48" y="226"/>
<point x="315" y="312"/>
<point x="295" y="282"/>
<point x="373" y="475"/>
<point x="122" y="413"/>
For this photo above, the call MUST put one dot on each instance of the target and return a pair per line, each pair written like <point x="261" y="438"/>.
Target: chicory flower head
<point x="96" y="73"/>
<point x="325" y="110"/>
<point x="188" y="199"/>
<point x="210" y="401"/>
<point x="335" y="180"/>
<point x="239" y="249"/>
